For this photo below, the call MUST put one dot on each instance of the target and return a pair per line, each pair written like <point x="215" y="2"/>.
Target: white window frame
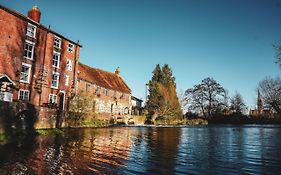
<point x="57" y="44"/>
<point x="29" y="30"/>
<point x="53" y="98"/>
<point x="69" y="64"/>
<point x="66" y="80"/>
<point x="32" y="51"/>
<point x="58" y="80"/>
<point x="29" y="70"/>
<point x="70" y="49"/>
<point x="58" y="61"/>
<point x="25" y="98"/>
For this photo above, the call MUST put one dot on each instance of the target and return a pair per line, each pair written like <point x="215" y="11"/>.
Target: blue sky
<point x="229" y="40"/>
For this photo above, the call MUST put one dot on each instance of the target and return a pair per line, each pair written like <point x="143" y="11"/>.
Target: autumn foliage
<point x="163" y="100"/>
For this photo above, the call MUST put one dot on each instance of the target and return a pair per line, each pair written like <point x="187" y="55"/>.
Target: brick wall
<point x="13" y="37"/>
<point x="107" y="103"/>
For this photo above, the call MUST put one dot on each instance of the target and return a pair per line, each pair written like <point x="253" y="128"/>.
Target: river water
<point x="214" y="149"/>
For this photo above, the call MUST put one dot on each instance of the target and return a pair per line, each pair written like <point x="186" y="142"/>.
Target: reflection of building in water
<point x="262" y="109"/>
<point x="98" y="151"/>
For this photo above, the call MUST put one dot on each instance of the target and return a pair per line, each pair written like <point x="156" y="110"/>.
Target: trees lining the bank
<point x="207" y="98"/>
<point x="270" y="89"/>
<point x="237" y="104"/>
<point x="162" y="99"/>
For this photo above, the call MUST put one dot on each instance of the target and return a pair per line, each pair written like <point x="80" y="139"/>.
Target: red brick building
<point x="41" y="67"/>
<point x="37" y="65"/>
<point x="38" y="60"/>
<point x="112" y="95"/>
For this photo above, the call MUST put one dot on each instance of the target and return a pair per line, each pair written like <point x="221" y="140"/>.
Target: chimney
<point x="34" y="14"/>
<point x="117" y="72"/>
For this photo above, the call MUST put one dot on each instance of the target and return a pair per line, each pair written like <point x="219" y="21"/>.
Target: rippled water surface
<point x="218" y="149"/>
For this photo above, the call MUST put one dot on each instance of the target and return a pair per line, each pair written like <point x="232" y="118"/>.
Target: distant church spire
<point x="259" y="101"/>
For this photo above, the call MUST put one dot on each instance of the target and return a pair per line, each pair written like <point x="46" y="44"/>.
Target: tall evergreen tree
<point x="163" y="100"/>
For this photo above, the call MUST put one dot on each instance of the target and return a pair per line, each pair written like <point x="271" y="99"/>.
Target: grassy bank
<point x="181" y="122"/>
<point x="52" y="131"/>
<point x="90" y="123"/>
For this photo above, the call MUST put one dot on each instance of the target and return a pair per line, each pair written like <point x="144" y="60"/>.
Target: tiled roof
<point x="102" y="78"/>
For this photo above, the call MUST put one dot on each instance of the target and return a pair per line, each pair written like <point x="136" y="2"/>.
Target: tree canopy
<point x="270" y="89"/>
<point x="237" y="104"/>
<point x="162" y="99"/>
<point x="207" y="98"/>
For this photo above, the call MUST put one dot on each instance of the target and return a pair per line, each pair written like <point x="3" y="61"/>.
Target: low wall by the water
<point x="25" y="115"/>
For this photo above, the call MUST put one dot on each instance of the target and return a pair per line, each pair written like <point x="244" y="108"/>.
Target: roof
<point x="137" y="99"/>
<point x="102" y="78"/>
<point x="13" y="12"/>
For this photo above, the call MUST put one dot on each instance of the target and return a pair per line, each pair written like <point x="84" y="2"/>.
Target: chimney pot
<point x="34" y="14"/>
<point x="117" y="72"/>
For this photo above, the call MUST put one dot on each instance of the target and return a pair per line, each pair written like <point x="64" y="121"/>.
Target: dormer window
<point x="57" y="42"/>
<point x="31" y="30"/>
<point x="70" y="48"/>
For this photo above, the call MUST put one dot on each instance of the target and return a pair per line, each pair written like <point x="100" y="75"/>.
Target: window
<point x="31" y="30"/>
<point x="57" y="42"/>
<point x="25" y="73"/>
<point x="28" y="49"/>
<point x="52" y="98"/>
<point x="55" y="80"/>
<point x="56" y="60"/>
<point x="69" y="65"/>
<point x="70" y="47"/>
<point x="66" y="80"/>
<point x="88" y="86"/>
<point x="106" y="92"/>
<point x="24" y="95"/>
<point x="97" y="90"/>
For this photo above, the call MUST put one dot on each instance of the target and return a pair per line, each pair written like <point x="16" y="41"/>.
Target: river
<point x="213" y="149"/>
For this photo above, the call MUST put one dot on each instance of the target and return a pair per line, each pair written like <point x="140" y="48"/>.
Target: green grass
<point x="3" y="139"/>
<point x="94" y="123"/>
<point x="53" y="131"/>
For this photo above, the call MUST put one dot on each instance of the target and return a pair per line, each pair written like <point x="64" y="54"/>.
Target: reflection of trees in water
<point x="155" y="150"/>
<point x="79" y="152"/>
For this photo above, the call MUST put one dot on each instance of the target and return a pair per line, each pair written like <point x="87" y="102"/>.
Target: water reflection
<point x="148" y="150"/>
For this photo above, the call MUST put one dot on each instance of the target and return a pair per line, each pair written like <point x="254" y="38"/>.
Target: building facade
<point x="39" y="61"/>
<point x="137" y="108"/>
<point x="112" y="95"/>
<point x="38" y="65"/>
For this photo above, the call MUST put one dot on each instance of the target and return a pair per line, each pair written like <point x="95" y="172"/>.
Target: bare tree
<point x="270" y="89"/>
<point x="208" y="97"/>
<point x="237" y="104"/>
